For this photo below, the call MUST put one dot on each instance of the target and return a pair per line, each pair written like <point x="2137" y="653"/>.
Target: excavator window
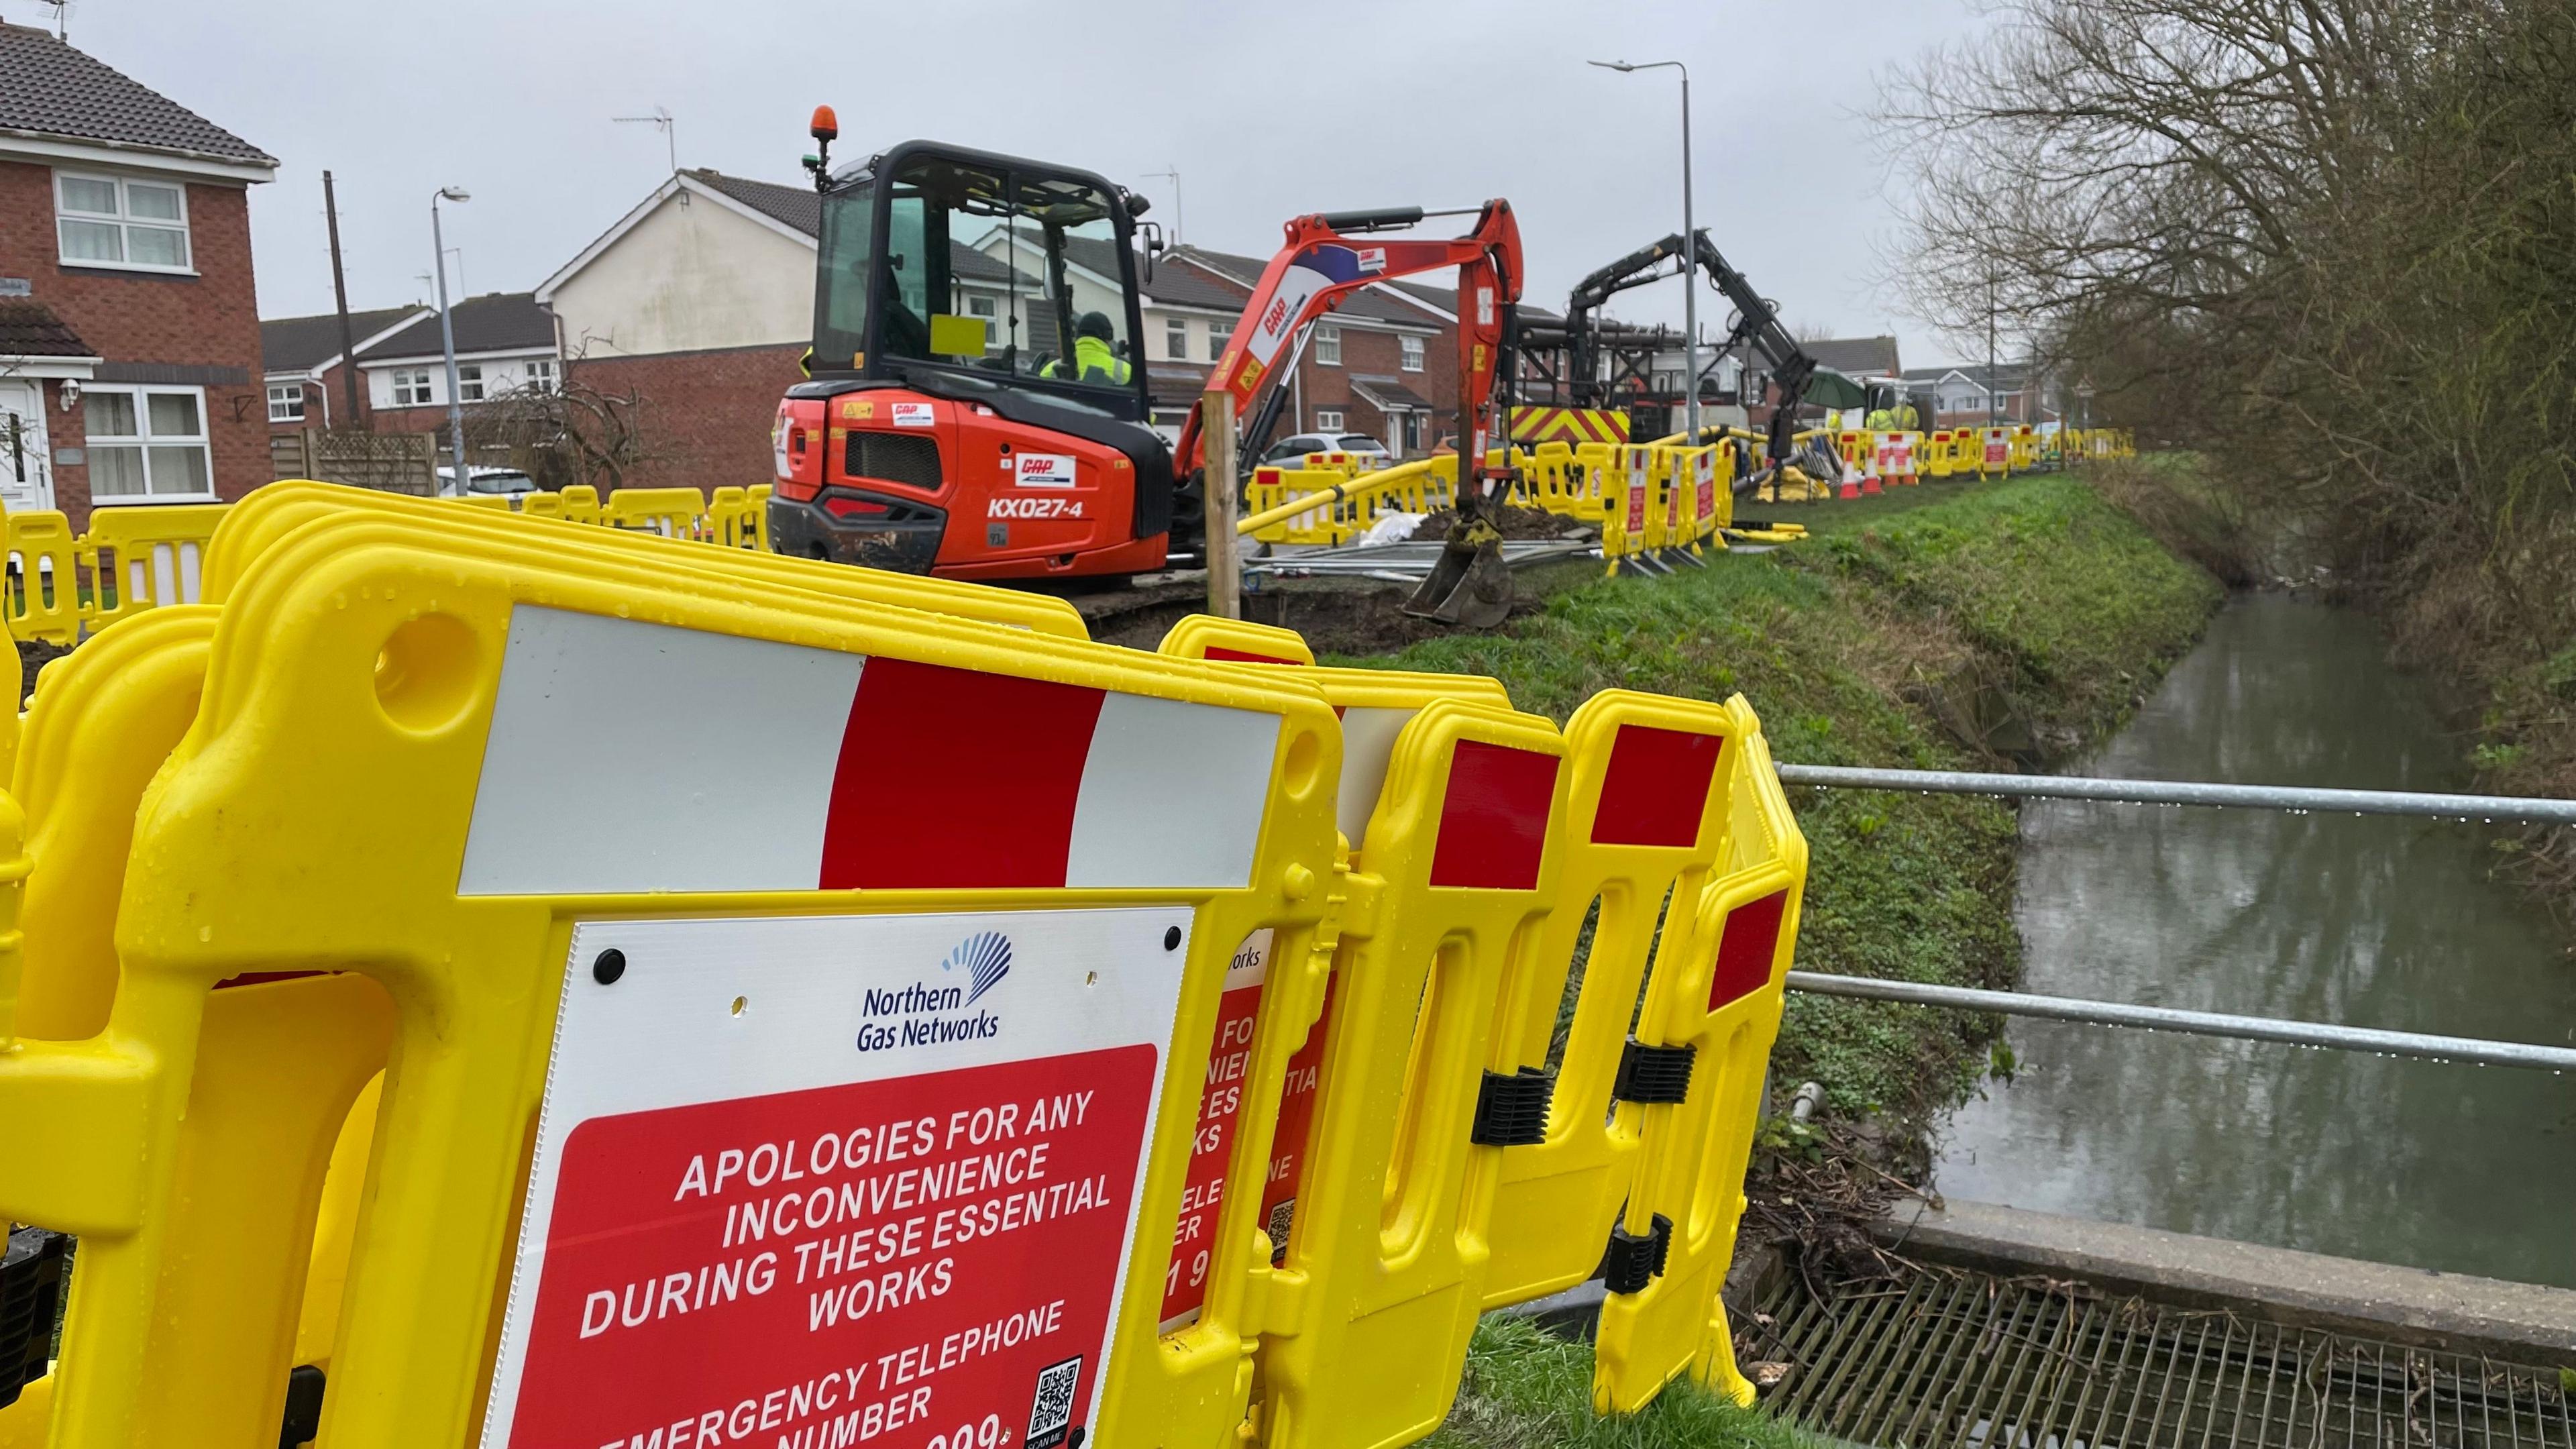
<point x="848" y="251"/>
<point x="981" y="267"/>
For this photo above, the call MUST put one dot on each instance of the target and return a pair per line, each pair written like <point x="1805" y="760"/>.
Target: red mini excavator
<point x="978" y="407"/>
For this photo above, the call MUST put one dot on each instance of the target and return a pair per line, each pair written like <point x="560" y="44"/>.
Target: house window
<point x="1176" y="339"/>
<point x="1328" y="349"/>
<point x="1410" y="353"/>
<point x="469" y="382"/>
<point x="286" y="402"/>
<point x="110" y="221"/>
<point x="1219" y="334"/>
<point x="1328" y="420"/>
<point x="990" y="310"/>
<point x="147" y="443"/>
<point x="541" y="373"/>
<point x="411" y="388"/>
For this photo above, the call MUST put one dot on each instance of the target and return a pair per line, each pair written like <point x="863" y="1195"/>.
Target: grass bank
<point x="1527" y="1390"/>
<point x="1947" y="627"/>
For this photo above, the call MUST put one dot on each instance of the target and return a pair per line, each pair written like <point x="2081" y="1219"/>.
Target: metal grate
<point x="895" y="457"/>
<point x="1945" y="1358"/>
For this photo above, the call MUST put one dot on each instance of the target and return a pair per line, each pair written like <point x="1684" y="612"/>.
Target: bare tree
<point x="2332" y="243"/>
<point x="571" y="433"/>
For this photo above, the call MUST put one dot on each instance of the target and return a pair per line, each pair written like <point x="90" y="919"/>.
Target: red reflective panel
<point x="1493" y="822"/>
<point x="1656" y="786"/>
<point x="1745" y="950"/>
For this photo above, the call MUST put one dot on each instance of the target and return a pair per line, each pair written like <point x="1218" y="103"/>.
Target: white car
<point x="506" y="482"/>
<point x="1289" y="450"/>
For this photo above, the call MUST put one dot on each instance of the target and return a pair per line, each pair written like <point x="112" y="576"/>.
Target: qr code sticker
<point x="1282" y="1218"/>
<point x="1051" y="1412"/>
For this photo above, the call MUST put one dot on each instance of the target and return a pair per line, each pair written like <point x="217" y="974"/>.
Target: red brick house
<point x="129" y="326"/>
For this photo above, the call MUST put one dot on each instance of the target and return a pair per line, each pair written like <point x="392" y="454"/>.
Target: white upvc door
<point x="26" y="461"/>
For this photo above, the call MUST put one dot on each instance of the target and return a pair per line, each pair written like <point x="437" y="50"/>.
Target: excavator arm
<point x="1321" y="264"/>
<point x="1756" y="321"/>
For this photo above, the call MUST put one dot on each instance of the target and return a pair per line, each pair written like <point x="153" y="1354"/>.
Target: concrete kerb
<point x="2515" y="1322"/>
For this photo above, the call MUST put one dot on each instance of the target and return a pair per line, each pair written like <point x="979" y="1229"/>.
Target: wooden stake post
<point x="1225" y="575"/>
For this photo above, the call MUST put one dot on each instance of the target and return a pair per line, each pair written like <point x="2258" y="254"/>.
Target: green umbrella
<point x="1830" y="389"/>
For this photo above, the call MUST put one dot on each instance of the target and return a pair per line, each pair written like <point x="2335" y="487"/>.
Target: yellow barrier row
<point x="1665" y="498"/>
<point x="1424" y="485"/>
<point x="1189" y="1082"/>
<point x="730" y="517"/>
<point x="59" y="587"/>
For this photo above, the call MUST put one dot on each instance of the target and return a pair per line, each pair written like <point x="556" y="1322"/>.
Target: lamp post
<point x="1690" y="244"/>
<point x="447" y="331"/>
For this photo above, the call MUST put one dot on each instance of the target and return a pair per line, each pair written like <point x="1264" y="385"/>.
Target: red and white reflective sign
<point x="824" y="1181"/>
<point x="1220" y="1107"/>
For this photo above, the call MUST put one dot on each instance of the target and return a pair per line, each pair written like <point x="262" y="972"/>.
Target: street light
<point x="447" y="330"/>
<point x="1690" y="241"/>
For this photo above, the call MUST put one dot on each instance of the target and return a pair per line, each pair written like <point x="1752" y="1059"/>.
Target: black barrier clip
<point x="1654" y="1075"/>
<point x="303" y="1421"/>
<point x="1633" y="1260"/>
<point x="1512" y="1111"/>
<point x="31" y="1287"/>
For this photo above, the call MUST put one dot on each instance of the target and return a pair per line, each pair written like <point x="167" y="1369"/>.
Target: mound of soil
<point x="1514" y="521"/>
<point x="32" y="656"/>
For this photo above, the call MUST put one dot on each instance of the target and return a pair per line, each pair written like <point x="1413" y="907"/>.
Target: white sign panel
<point x="833" y="1180"/>
<point x="1044" y="470"/>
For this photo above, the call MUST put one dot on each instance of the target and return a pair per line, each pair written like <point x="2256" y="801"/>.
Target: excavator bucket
<point x="1471" y="586"/>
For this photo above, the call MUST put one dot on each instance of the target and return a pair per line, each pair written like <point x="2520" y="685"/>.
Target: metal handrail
<point x="2195" y="1023"/>
<point x="2514" y="808"/>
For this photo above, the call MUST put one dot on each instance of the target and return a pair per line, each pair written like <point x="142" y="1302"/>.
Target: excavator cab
<point x="977" y="404"/>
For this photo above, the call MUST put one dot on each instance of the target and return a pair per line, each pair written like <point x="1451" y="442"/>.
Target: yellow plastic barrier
<point x="43" y="594"/>
<point x="1994" y="452"/>
<point x="1344" y="502"/>
<point x="541" y="505"/>
<point x="580" y="503"/>
<point x="1553" y="476"/>
<point x="144" y="556"/>
<point x="1235" y="1174"/>
<point x="670" y="512"/>
<point x="501" y="501"/>
<point x="1716" y="990"/>
<point x="733" y="519"/>
<point x="1646" y="818"/>
<point x="1205" y="636"/>
<point x="281" y="766"/>
<point x="235" y="1158"/>
<point x="1367" y="1323"/>
<point x="1273" y="488"/>
<point x="272" y="513"/>
<point x="278" y="1061"/>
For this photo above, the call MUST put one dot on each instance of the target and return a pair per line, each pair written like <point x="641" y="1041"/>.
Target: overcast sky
<point x="1266" y="111"/>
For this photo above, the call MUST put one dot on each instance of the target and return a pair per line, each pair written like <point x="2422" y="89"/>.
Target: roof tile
<point x="29" y="328"/>
<point x="50" y="89"/>
<point x="292" y="344"/>
<point x="493" y="322"/>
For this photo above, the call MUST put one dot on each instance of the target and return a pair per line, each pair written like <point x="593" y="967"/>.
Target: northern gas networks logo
<point x="923" y="1014"/>
<point x="985" y="957"/>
